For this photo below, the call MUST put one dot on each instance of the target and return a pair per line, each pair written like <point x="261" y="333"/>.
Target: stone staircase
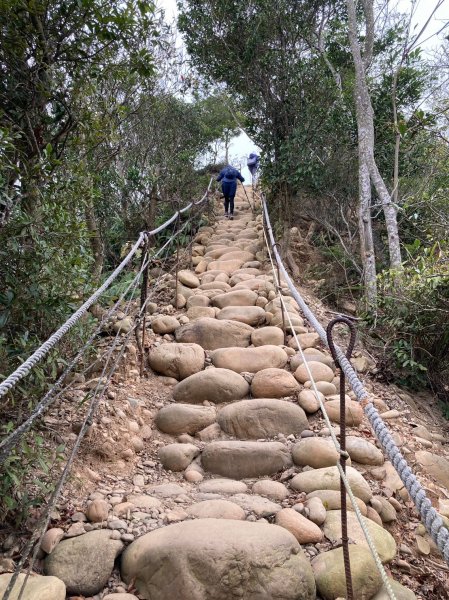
<point x="251" y="505"/>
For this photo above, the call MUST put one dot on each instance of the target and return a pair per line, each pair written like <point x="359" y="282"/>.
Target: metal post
<point x="178" y="220"/>
<point x="143" y="299"/>
<point x="343" y="454"/>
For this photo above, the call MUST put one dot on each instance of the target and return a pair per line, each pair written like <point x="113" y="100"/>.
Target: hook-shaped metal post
<point x="343" y="453"/>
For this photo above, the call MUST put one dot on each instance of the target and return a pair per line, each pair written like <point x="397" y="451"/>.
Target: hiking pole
<point x="247" y="197"/>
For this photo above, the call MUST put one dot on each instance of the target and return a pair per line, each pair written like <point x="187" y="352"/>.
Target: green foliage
<point x="413" y="318"/>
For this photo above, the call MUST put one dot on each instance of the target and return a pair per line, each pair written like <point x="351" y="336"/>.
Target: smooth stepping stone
<point x="198" y="300"/>
<point x="315" y="452"/>
<point x="312" y="355"/>
<point x="37" y="587"/>
<point x="364" y="452"/>
<point x="235" y="298"/>
<point x="188" y="279"/>
<point x="223" y="486"/>
<point x="382" y="539"/>
<point x="326" y="388"/>
<point x="177" y="360"/>
<point x="166" y="490"/>
<point x="305" y="531"/>
<point x="84" y="563"/>
<point x="219" y="252"/>
<point x="241" y="460"/>
<point x="251" y="315"/>
<point x="200" y="312"/>
<point x="308" y="401"/>
<point x="213" y="276"/>
<point x="273" y="383"/>
<point x="213" y="385"/>
<point x="216" y="509"/>
<point x="184" y="418"/>
<point x="306" y="340"/>
<point x="328" y="478"/>
<point x="143" y="501"/>
<point x="353" y="412"/>
<point x="272" y="336"/>
<point x="162" y="325"/>
<point x="319" y="372"/>
<point x="215" y="285"/>
<point x="220" y="559"/>
<point x="249" y="359"/>
<point x="212" y="334"/>
<point x="177" y="457"/>
<point x="330" y="578"/>
<point x="271" y="489"/>
<point x="262" y="418"/>
<point x="238" y="254"/>
<point x="331" y="500"/>
<point x="259" y="285"/>
<point x="227" y="266"/>
<point x="261" y="507"/>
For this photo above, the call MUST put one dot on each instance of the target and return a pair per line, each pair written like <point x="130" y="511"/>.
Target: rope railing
<point x="97" y="394"/>
<point x="11" y="440"/>
<point x="333" y="436"/>
<point x="22" y="371"/>
<point x="432" y="520"/>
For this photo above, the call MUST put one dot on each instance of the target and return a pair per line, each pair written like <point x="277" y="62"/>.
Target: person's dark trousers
<point x="229" y="189"/>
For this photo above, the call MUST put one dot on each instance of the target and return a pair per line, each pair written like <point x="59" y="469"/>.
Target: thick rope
<point x="335" y="441"/>
<point x="431" y="519"/>
<point x="8" y="443"/>
<point x="45" y="348"/>
<point x="93" y="404"/>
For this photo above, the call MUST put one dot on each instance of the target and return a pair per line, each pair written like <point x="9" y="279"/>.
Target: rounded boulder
<point x="273" y="383"/>
<point x="184" y="418"/>
<point x="214" y="385"/>
<point x="250" y="359"/>
<point x="220" y="559"/>
<point x="262" y="418"/>
<point x="177" y="360"/>
<point x="211" y="334"/>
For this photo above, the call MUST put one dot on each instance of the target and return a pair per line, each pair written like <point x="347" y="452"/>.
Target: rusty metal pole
<point x="343" y="453"/>
<point x="178" y="220"/>
<point x="143" y="299"/>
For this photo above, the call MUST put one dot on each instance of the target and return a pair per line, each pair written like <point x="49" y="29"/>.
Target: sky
<point x="241" y="145"/>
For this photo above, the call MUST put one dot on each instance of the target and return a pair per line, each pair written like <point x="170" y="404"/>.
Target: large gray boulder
<point x="211" y="334"/>
<point x="84" y="563"/>
<point x="219" y="559"/>
<point x="241" y="460"/>
<point x="262" y="418"/>
<point x="214" y="385"/>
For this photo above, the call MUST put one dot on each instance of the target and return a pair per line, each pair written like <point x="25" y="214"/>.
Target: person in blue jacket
<point x="253" y="163"/>
<point x="228" y="176"/>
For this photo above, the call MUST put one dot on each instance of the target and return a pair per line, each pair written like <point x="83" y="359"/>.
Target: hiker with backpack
<point x="228" y="176"/>
<point x="253" y="163"/>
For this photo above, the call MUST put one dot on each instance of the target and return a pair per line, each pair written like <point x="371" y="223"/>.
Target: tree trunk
<point x="366" y="235"/>
<point x="95" y="240"/>
<point x="365" y="126"/>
